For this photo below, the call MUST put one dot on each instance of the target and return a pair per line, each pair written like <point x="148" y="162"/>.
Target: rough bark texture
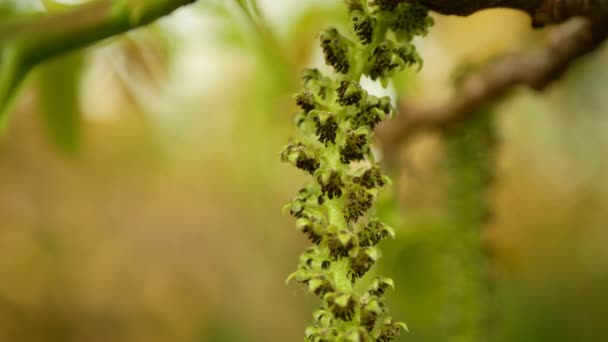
<point x="586" y="29"/>
<point x="542" y="12"/>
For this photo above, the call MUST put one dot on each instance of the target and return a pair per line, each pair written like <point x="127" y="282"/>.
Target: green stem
<point x="11" y="72"/>
<point x="41" y="37"/>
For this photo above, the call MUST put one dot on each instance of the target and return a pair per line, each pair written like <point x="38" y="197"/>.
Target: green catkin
<point x="335" y="209"/>
<point x="469" y="168"/>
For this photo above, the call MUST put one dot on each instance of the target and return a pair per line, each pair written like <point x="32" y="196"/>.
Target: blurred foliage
<point x="166" y="225"/>
<point x="58" y="85"/>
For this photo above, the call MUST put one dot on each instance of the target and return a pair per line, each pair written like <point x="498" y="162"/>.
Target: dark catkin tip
<point x="332" y="187"/>
<point x="320" y="199"/>
<point x="372" y="112"/>
<point x="354" y="148"/>
<point x="412" y="20"/>
<point x="326" y="130"/>
<point x="342" y="306"/>
<point x="360" y="265"/>
<point x="308" y="164"/>
<point x="354" y="5"/>
<point x="408" y="55"/>
<point x="296" y="154"/>
<point x="368" y="320"/>
<point x="382" y="61"/>
<point x="379" y="287"/>
<point x="310" y="233"/>
<point x="311" y="75"/>
<point x="357" y="203"/>
<point x="337" y="247"/>
<point x="297" y="208"/>
<point x="306" y="101"/>
<point x="389" y="332"/>
<point x="364" y="28"/>
<point x="371" y="178"/>
<point x="386" y="5"/>
<point x="349" y="93"/>
<point x="335" y="50"/>
<point x="324" y="287"/>
<point x="371" y="234"/>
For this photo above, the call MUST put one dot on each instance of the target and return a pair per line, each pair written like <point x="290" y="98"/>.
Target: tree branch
<point x="535" y="69"/>
<point x="26" y="42"/>
<point x="542" y="12"/>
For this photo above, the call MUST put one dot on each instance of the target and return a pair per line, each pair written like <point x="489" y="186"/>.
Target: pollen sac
<point x="320" y="285"/>
<point x="322" y="318"/>
<point x="372" y="233"/>
<point x="310" y="229"/>
<point x="357" y="203"/>
<point x="363" y="26"/>
<point x="311" y="76"/>
<point x="327" y="127"/>
<point x="331" y="184"/>
<point x="315" y="82"/>
<point x="384" y="61"/>
<point x="374" y="111"/>
<point x="371" y="178"/>
<point x="379" y="286"/>
<point x="386" y="5"/>
<point x="350" y="93"/>
<point x="306" y="101"/>
<point x="365" y="259"/>
<point x="309" y="164"/>
<point x="297" y="207"/>
<point x="408" y="55"/>
<point x="342" y="305"/>
<point x="296" y="154"/>
<point x="411" y="20"/>
<point x="341" y="244"/>
<point x="355" y="147"/>
<point x="390" y="330"/>
<point x="371" y="309"/>
<point x="355" y="5"/>
<point x="313" y="260"/>
<point x="335" y="49"/>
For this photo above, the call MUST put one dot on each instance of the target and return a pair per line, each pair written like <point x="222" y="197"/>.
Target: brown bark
<point x="542" y="12"/>
<point x="536" y="68"/>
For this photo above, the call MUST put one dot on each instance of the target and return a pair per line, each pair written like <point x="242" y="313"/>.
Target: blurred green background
<point x="141" y="189"/>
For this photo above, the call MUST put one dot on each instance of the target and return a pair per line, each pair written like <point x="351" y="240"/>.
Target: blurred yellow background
<point x="162" y="222"/>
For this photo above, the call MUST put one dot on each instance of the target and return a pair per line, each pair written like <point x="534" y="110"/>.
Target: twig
<point x="535" y="69"/>
<point x="39" y="38"/>
<point x="542" y="12"/>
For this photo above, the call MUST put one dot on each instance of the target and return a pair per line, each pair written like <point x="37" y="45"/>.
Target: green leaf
<point x="12" y="73"/>
<point x="58" y="88"/>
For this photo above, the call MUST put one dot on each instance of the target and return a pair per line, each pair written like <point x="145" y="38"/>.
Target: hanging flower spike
<point x="335" y="209"/>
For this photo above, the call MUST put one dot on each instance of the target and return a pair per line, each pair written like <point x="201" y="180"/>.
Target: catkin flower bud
<point x="335" y="49"/>
<point x="355" y="147"/>
<point x="350" y="93"/>
<point x="298" y="155"/>
<point x="306" y="101"/>
<point x="331" y="184"/>
<point x="386" y="5"/>
<point x="327" y="127"/>
<point x="342" y="305"/>
<point x="363" y="26"/>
